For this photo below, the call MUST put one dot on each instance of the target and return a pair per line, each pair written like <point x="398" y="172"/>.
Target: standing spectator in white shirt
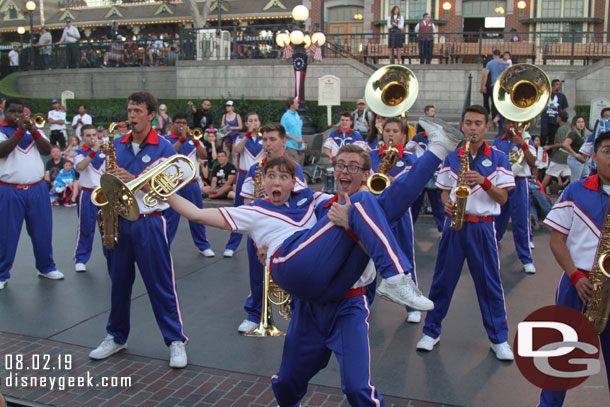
<point x="71" y="36"/>
<point x="45" y="42"/>
<point x="57" y="120"/>
<point x="13" y="59"/>
<point x="81" y="119"/>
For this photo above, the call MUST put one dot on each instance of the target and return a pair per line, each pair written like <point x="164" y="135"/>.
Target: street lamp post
<point x="299" y="41"/>
<point x="31" y="6"/>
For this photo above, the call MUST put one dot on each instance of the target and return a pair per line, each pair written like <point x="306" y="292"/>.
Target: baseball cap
<point x="361" y="101"/>
<point x="54" y="101"/>
<point x="100" y="128"/>
<point x="68" y="20"/>
<point x="229" y="103"/>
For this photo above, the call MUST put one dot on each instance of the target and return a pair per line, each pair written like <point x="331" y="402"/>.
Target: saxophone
<point x="462" y="191"/>
<point x="379" y="181"/>
<point x="598" y="307"/>
<point x="107" y="216"/>
<point x="272" y="293"/>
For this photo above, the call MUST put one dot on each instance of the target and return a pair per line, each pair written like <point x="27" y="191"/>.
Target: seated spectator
<point x="540" y="203"/>
<point x="65" y="186"/>
<point x="130" y="53"/>
<point x="155" y="50"/>
<point x="71" y="148"/>
<point x="53" y="166"/>
<point x="115" y="55"/>
<point x="171" y="56"/>
<point x="223" y="176"/>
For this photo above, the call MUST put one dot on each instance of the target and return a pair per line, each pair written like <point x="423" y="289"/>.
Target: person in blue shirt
<point x="293" y="124"/>
<point x="64" y="186"/>
<point x="494" y="68"/>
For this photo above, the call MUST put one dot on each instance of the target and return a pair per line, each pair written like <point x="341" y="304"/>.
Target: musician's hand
<point x="28" y="124"/>
<point x="473" y="178"/>
<point x="98" y="145"/>
<point x="261" y="253"/>
<point x="338" y="213"/>
<point x="449" y="206"/>
<point x="122" y="174"/>
<point x="584" y="288"/>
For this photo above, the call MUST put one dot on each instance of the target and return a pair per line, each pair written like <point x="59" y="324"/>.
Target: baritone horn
<point x="161" y="181"/>
<point x="520" y="94"/>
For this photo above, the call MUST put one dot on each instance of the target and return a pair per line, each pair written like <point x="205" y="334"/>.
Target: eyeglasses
<point x="352" y="169"/>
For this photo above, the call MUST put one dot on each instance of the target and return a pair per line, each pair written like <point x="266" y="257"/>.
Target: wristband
<point x="91" y="154"/>
<point x="248" y="134"/>
<point x="524" y="147"/>
<point x="36" y="135"/>
<point x="182" y="139"/>
<point x="19" y="134"/>
<point x="197" y="143"/>
<point x="575" y="276"/>
<point x="486" y="185"/>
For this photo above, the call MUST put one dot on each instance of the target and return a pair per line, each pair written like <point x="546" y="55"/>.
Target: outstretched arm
<point x="208" y="217"/>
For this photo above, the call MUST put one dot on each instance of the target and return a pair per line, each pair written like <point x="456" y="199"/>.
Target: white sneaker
<point x="80" y="267"/>
<point x="442" y="136"/>
<point x="529" y="268"/>
<point x="405" y="293"/>
<point x="414" y="317"/>
<point x="177" y="355"/>
<point x="228" y="253"/>
<point x="427" y="343"/>
<point x="3" y="284"/>
<point x="107" y="348"/>
<point x="246" y="326"/>
<point x="207" y="253"/>
<point x="503" y="351"/>
<point x="532" y="245"/>
<point x="52" y="275"/>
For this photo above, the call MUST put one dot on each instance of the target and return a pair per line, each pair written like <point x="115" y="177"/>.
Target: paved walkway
<point x="153" y="384"/>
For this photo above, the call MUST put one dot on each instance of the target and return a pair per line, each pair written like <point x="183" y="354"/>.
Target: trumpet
<point x="195" y="134"/>
<point x="37" y="120"/>
<point x="162" y="181"/>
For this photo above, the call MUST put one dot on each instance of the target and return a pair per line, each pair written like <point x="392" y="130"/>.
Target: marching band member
<point x="419" y="144"/>
<point x="90" y="164"/>
<point x="576" y="221"/>
<point x="143" y="242"/>
<point x="342" y="136"/>
<point x="489" y="177"/>
<point x="23" y="194"/>
<point x="274" y="141"/>
<point x="193" y="149"/>
<point x="305" y="253"/>
<point x="517" y="207"/>
<point x="250" y="150"/>
<point x="394" y="133"/>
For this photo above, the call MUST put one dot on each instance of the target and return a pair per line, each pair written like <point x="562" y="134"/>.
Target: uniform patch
<point x="146" y="159"/>
<point x="301" y="202"/>
<point x="102" y="155"/>
<point x="486" y="163"/>
<point x="400" y="164"/>
<point x="191" y="142"/>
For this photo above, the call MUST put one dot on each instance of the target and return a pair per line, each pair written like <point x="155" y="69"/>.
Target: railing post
<point x="572" y="53"/>
<point x="480" y="46"/>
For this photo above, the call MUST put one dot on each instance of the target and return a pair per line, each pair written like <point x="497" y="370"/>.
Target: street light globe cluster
<point x="297" y="37"/>
<point x="21" y="30"/>
<point x="30" y="5"/>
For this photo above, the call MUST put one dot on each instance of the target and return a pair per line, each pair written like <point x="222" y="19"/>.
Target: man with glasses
<point x="339" y="322"/>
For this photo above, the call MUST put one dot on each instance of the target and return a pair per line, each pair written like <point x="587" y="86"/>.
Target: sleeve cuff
<point x="91" y="154"/>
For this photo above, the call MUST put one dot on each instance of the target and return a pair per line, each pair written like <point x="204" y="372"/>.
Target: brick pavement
<point x="153" y="383"/>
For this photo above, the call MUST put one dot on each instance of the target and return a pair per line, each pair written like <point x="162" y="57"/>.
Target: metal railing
<point x="369" y="48"/>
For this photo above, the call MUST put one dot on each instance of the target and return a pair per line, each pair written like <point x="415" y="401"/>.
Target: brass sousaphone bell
<point x="520" y="94"/>
<point x="389" y="92"/>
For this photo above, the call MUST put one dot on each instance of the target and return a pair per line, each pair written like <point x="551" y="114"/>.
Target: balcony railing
<point x="369" y="48"/>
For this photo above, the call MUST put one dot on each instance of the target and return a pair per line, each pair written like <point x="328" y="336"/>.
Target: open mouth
<point x="276" y="196"/>
<point x="345" y="182"/>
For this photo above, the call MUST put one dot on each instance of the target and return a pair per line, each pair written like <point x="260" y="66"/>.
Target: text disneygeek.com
<point x="63" y="382"/>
